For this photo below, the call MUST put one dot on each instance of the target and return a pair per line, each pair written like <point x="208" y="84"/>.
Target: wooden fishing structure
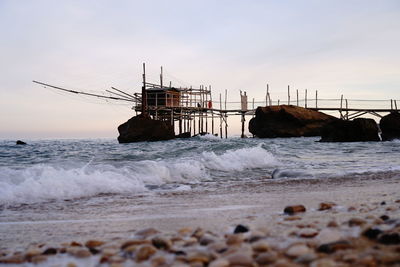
<point x="192" y="110"/>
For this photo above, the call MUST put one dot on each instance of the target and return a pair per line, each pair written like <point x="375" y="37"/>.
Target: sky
<point x="348" y="47"/>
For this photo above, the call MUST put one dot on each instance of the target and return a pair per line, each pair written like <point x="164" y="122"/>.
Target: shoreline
<point x="257" y="205"/>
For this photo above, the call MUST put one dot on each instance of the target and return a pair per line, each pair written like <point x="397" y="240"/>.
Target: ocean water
<point x="56" y="170"/>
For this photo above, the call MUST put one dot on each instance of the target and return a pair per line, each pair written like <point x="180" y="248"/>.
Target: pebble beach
<point x="336" y="222"/>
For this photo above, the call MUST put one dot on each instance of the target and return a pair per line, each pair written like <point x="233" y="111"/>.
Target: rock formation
<point x="142" y="128"/>
<point x="288" y="121"/>
<point x="357" y="130"/>
<point x="390" y="126"/>
<point x="19" y="142"/>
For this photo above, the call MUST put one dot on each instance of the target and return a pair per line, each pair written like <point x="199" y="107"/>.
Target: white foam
<point x="210" y="137"/>
<point x="46" y="182"/>
<point x="43" y="182"/>
<point x="239" y="160"/>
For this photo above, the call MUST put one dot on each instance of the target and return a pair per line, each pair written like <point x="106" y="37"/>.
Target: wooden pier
<point x="193" y="111"/>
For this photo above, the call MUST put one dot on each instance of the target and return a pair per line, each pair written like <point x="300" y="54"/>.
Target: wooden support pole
<point x="267" y="96"/>
<point x="288" y="95"/>
<point x="156" y="106"/>
<point x="220" y="113"/>
<point x="316" y="98"/>
<point x="347" y="110"/>
<point x="180" y="123"/>
<point x="206" y="107"/>
<point x="243" y="120"/>
<point x="305" y="100"/>
<point x="341" y="107"/>
<point x="297" y="97"/>
<point x="391" y="104"/>
<point x="226" y="117"/>
<point x="161" y="78"/>
<point x="226" y="125"/>
<point x="212" y="112"/>
<point x="395" y="104"/>
<point x="270" y="100"/>
<point x="194" y="124"/>
<point x="279" y="102"/>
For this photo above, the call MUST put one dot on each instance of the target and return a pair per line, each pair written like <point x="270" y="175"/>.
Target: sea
<point x="50" y="171"/>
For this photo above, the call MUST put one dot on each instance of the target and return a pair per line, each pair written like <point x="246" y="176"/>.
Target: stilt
<point x="243" y="120"/>
<point x="305" y="100"/>
<point x="220" y="113"/>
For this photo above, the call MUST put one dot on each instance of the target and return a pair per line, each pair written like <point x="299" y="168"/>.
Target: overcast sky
<point x="336" y="47"/>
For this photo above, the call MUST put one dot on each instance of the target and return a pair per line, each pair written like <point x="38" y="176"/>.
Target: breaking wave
<point x="44" y="182"/>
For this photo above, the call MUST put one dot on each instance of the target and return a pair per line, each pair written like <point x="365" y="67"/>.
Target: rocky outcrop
<point x="390" y="126"/>
<point x="142" y="128"/>
<point x="19" y="142"/>
<point x="288" y="121"/>
<point x="357" y="130"/>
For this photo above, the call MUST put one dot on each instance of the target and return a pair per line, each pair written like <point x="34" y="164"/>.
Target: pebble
<point x="145" y="252"/>
<point x="198" y="233"/>
<point x="219" y="263"/>
<point x="199" y="256"/>
<point x="161" y="243"/>
<point x="306" y="258"/>
<point x="240" y="229"/>
<point x="297" y="250"/>
<point x="332" y="224"/>
<point x="356" y="222"/>
<point x="323" y="263"/>
<point x="38" y="259"/>
<point x="235" y="239"/>
<point x="240" y="259"/>
<point x="326" y="206"/>
<point x="75" y="244"/>
<point x="328" y="235"/>
<point x="372" y="233"/>
<point x="31" y="252"/>
<point x="294" y="209"/>
<point x="50" y="251"/>
<point x="384" y="217"/>
<point x="134" y="242"/>
<point x="308" y="233"/>
<point x="79" y="252"/>
<point x="93" y="243"/>
<point x="16" y="259"/>
<point x="334" y="246"/>
<point x="389" y="239"/>
<point x="266" y="258"/>
<point x="260" y="246"/>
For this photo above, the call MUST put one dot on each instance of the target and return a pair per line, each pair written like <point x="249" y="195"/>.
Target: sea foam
<point x="44" y="182"/>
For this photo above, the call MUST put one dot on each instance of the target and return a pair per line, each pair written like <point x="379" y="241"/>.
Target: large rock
<point x="141" y="128"/>
<point x="357" y="130"/>
<point x="390" y="126"/>
<point x="288" y="121"/>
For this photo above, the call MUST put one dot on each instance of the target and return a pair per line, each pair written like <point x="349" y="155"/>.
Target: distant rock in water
<point x="357" y="130"/>
<point x="390" y="126"/>
<point x="288" y="121"/>
<point x="141" y="128"/>
<point x="19" y="142"/>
